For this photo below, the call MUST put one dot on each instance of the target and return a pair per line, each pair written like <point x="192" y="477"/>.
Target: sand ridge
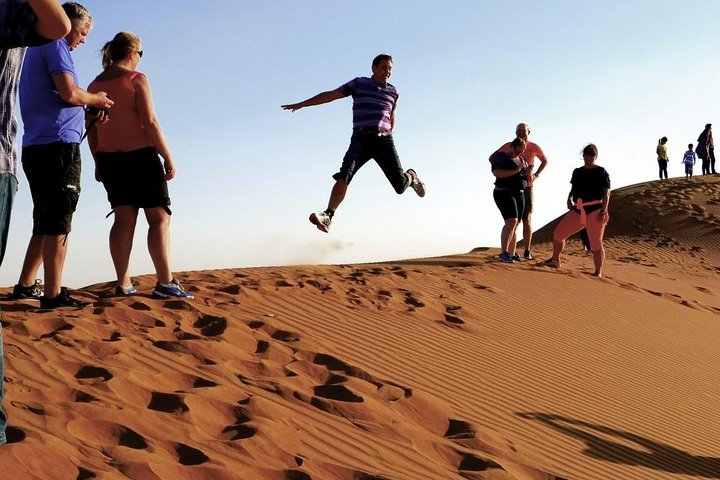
<point x="440" y="368"/>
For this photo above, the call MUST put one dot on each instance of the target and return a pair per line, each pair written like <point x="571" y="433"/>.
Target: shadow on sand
<point x="611" y="445"/>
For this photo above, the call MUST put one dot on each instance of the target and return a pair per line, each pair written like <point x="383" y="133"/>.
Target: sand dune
<point x="455" y="367"/>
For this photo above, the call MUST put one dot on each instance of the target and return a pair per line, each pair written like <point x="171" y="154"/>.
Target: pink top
<point x="123" y="132"/>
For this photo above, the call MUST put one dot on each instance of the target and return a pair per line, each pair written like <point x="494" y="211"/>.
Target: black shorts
<point x="511" y="203"/>
<point x="53" y="173"/>
<point x="135" y="178"/>
<point x="363" y="147"/>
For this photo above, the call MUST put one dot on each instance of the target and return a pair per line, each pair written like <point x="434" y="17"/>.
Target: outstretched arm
<point x="52" y="22"/>
<point x="319" y="99"/>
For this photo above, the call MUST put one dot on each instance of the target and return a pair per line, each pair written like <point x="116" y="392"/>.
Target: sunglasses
<point x="140" y="53"/>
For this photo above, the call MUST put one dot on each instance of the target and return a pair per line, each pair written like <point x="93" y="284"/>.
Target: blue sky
<point x="620" y="74"/>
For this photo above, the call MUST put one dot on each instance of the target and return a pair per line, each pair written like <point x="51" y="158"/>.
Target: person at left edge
<point x="22" y="24"/>
<point x="51" y="104"/>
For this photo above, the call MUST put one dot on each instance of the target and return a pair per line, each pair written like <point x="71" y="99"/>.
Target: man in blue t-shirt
<point x="374" y="101"/>
<point x="22" y="23"/>
<point x="51" y="103"/>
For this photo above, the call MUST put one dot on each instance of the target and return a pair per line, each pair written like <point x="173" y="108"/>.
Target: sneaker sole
<point x="165" y="295"/>
<point x="316" y="221"/>
<point x="419" y="187"/>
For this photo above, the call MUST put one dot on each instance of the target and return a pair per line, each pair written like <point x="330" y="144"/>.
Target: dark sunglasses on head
<point x="140" y="52"/>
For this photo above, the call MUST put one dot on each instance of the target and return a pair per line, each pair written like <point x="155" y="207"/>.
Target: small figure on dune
<point x="588" y="207"/>
<point x="689" y="160"/>
<point x="662" y="157"/>
<point x="706" y="150"/>
<point x="374" y="102"/>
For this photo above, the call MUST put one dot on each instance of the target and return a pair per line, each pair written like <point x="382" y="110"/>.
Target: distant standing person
<point x="689" y="160"/>
<point x="126" y="150"/>
<point x="51" y="103"/>
<point x="588" y="207"/>
<point x="374" y="103"/>
<point x="510" y="171"/>
<point x="662" y="157"/>
<point x="706" y="149"/>
<point x="22" y="23"/>
<point x="532" y="151"/>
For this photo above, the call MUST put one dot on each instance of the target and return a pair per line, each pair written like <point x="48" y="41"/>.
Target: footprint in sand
<point x="473" y="463"/>
<point x="358" y="277"/>
<point x="239" y="430"/>
<point x="98" y="432"/>
<point x="17" y="352"/>
<point x="296" y="475"/>
<point x="211" y="326"/>
<point x="188" y="455"/>
<point x="43" y="327"/>
<point x="36" y="408"/>
<point x="84" y="474"/>
<point x="480" y="286"/>
<point x="320" y="286"/>
<point x="285" y="336"/>
<point x="399" y="271"/>
<point x="340" y="393"/>
<point x="204" y="383"/>
<point x="171" y="346"/>
<point x="459" y="429"/>
<point x="412" y="301"/>
<point x="83" y="397"/>
<point x="140" y="306"/>
<point x="230" y="289"/>
<point x="177" y="305"/>
<point x="262" y="346"/>
<point x="89" y="375"/>
<point x="167" y="402"/>
<point x="452" y="320"/>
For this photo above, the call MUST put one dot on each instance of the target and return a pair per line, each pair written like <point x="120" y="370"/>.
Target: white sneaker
<point x="416" y="184"/>
<point x="321" y="220"/>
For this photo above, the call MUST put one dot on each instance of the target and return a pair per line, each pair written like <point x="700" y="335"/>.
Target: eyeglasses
<point x="140" y="52"/>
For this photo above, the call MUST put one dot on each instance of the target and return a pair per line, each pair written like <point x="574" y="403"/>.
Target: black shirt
<point x="504" y="161"/>
<point x="589" y="184"/>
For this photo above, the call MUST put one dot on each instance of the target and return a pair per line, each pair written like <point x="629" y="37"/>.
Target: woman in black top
<point x="510" y="180"/>
<point x="588" y="204"/>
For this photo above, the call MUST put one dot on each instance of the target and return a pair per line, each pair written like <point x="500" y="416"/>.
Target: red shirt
<point x="122" y="133"/>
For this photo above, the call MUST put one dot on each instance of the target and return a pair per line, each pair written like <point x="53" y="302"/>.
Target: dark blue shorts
<point x="135" y="178"/>
<point x="362" y="148"/>
<point x="510" y="202"/>
<point x="53" y="173"/>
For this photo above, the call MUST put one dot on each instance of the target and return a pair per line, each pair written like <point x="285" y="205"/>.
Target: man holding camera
<point x="51" y="104"/>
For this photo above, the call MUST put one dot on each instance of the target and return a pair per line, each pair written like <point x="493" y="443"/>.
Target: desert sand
<point x="456" y="367"/>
